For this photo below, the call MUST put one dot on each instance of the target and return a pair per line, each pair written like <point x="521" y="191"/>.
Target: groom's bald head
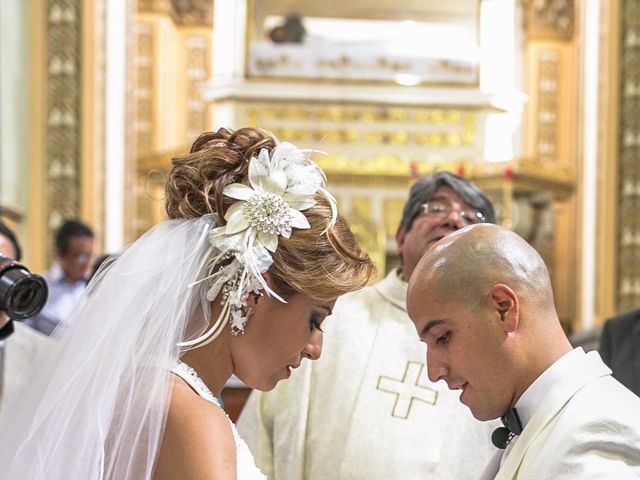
<point x="463" y="266"/>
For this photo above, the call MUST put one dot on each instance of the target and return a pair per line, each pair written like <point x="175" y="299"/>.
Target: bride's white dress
<point x="246" y="465"/>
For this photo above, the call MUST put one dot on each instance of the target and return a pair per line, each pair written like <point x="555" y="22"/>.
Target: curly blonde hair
<point x="320" y="262"/>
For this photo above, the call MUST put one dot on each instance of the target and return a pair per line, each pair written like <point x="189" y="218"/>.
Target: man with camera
<point x="21" y="294"/>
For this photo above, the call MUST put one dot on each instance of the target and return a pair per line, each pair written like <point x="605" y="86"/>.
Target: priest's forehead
<point x="426" y="187"/>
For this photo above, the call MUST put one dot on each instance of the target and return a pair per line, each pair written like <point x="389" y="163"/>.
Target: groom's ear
<point x="504" y="302"/>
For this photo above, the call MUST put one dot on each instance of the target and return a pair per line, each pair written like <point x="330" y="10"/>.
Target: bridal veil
<point x="97" y="404"/>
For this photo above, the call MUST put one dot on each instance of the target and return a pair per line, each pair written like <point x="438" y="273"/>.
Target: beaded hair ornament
<point x="282" y="184"/>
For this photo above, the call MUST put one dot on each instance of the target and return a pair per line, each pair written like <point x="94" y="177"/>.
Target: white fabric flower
<point x="281" y="186"/>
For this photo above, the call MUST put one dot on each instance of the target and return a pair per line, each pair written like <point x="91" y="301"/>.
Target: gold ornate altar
<point x="380" y="135"/>
<point x="380" y="128"/>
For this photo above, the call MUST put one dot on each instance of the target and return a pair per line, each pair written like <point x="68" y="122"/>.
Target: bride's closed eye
<point x="314" y="322"/>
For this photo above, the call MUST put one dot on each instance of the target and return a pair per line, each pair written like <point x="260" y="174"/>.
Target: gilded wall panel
<point x="63" y="71"/>
<point x="143" y="124"/>
<point x="547" y="114"/>
<point x="362" y="131"/>
<point x="198" y="69"/>
<point x="549" y="18"/>
<point x="628" y="290"/>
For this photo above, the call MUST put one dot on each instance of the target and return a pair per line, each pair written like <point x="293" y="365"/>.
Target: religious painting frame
<point x="295" y="50"/>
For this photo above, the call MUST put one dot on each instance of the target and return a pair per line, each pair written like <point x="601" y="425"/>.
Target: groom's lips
<point x="460" y="386"/>
<point x="463" y="388"/>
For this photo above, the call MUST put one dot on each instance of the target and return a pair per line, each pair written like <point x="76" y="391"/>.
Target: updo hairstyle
<point x="320" y="265"/>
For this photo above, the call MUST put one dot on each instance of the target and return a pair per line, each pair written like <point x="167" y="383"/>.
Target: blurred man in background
<point x="67" y="279"/>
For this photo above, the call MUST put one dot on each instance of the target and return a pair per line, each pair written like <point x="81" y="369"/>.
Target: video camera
<point x="22" y="293"/>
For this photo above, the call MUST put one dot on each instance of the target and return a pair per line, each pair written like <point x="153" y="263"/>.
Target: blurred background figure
<point x="19" y="350"/>
<point x="9" y="246"/>
<point x="620" y="348"/>
<point x="67" y="278"/>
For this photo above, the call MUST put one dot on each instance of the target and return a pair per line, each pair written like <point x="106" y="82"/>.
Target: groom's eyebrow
<point x="430" y="324"/>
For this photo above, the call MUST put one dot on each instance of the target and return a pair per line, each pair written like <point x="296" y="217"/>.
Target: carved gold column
<point x="608" y="183"/>
<point x="627" y="286"/>
<point x="171" y="58"/>
<point x="550" y="83"/>
<point x="56" y="111"/>
<point x="92" y="103"/>
<point x="38" y="231"/>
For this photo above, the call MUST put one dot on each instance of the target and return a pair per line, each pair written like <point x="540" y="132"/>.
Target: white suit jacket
<point x="587" y="427"/>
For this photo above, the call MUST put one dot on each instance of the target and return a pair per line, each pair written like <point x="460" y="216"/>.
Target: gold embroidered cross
<point x="407" y="390"/>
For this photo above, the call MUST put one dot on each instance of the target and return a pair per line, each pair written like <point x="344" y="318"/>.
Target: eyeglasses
<point x="441" y="209"/>
<point x="80" y="258"/>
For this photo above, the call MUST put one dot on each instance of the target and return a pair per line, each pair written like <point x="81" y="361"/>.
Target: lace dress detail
<point x="246" y="465"/>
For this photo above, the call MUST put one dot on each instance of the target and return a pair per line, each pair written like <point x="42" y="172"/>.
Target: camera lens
<point x="26" y="296"/>
<point x="22" y="294"/>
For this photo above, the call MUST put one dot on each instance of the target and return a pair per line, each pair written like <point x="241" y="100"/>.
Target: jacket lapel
<point x="573" y="379"/>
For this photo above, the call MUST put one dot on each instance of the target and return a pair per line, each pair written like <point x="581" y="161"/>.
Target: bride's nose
<point x="313" y="349"/>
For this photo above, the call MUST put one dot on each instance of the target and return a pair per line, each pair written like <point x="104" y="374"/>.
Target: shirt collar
<point x="57" y="275"/>
<point x="394" y="289"/>
<point x="532" y="397"/>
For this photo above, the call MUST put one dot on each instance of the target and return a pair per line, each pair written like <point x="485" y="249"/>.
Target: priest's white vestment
<point x="366" y="409"/>
<point x="586" y="427"/>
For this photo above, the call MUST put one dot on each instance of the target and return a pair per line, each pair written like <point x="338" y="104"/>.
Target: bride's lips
<point x="290" y="368"/>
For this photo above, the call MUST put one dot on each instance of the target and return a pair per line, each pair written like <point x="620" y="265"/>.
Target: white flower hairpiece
<point x="281" y="186"/>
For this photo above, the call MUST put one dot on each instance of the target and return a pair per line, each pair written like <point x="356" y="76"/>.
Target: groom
<point x="481" y="300"/>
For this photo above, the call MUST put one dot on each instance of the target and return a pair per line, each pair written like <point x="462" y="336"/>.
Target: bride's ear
<point x="268" y="278"/>
<point x="254" y="298"/>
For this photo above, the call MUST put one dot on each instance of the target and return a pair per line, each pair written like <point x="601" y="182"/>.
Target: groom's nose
<point x="314" y="348"/>
<point x="436" y="368"/>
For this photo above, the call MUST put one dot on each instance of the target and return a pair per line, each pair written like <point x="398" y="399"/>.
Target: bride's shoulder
<point x="198" y="441"/>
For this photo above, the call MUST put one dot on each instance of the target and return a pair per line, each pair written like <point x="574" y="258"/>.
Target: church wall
<point x="14" y="140"/>
<point x="15" y="47"/>
<point x="170" y="59"/>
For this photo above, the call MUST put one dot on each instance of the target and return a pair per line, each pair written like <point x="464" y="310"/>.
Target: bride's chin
<point x="264" y="381"/>
<point x="265" y="384"/>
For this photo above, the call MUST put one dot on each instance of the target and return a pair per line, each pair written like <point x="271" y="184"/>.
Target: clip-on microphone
<point x="501" y="436"/>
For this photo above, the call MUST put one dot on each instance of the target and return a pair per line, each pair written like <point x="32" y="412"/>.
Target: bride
<point x="238" y="281"/>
